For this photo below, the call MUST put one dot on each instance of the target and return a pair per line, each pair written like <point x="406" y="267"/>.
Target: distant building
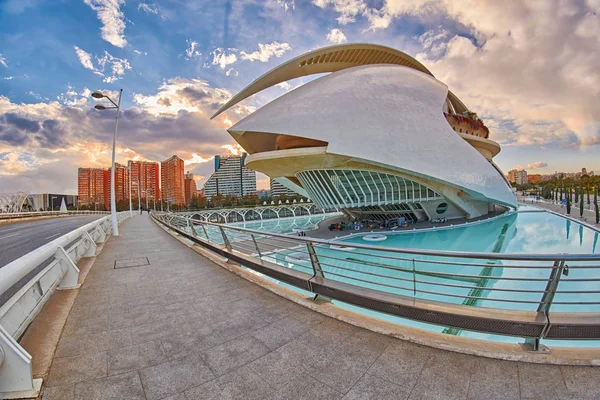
<point x="145" y="180"/>
<point x="190" y="187"/>
<point x="534" y="178"/>
<point x="231" y="177"/>
<point x="171" y="180"/>
<point x="583" y="171"/>
<point x="121" y="183"/>
<point x="517" y="176"/>
<point x="278" y="189"/>
<point x="92" y="187"/>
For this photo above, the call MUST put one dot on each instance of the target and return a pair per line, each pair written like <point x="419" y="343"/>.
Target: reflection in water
<point x="580" y="235"/>
<point x="568" y="228"/>
<point x="595" y="242"/>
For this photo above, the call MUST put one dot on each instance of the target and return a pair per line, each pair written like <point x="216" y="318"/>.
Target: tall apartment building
<point x="171" y="180"/>
<point x="534" y="178"/>
<point x="92" y="187"/>
<point x="145" y="180"/>
<point x="190" y="189"/>
<point x="518" y="176"/>
<point x="121" y="183"/>
<point x="231" y="177"/>
<point x="277" y="189"/>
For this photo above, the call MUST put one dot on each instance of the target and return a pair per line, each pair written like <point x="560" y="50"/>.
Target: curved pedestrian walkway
<point x="155" y="320"/>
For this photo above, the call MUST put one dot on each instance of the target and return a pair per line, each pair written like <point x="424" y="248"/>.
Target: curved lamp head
<point x="99" y="107"/>
<point x="97" y="95"/>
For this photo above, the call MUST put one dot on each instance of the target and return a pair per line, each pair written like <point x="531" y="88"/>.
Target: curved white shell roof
<point x="386" y="114"/>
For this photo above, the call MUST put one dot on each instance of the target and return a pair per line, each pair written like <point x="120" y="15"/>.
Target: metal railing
<point x="51" y="267"/>
<point x="533" y="296"/>
<point x="37" y="214"/>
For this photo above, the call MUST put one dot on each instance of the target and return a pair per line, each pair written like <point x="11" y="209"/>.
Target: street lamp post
<point x="113" y="202"/>
<point x="130" y="209"/>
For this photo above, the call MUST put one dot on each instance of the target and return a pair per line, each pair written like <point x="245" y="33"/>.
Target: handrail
<point x="386" y="285"/>
<point x="34" y="214"/>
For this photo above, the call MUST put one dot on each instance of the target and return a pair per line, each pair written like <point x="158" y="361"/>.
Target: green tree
<point x="596" y="205"/>
<point x="580" y="202"/>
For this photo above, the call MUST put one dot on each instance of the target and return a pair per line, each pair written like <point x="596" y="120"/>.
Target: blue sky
<point x="529" y="70"/>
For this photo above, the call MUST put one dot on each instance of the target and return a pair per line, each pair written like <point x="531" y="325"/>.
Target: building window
<point x="442" y="208"/>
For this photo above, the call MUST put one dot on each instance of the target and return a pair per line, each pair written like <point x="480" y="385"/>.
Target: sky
<point x="530" y="69"/>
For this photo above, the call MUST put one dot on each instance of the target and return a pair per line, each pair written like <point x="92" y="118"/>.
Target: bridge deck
<point x="183" y="328"/>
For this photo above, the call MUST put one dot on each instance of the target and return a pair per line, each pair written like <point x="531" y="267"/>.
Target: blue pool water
<point x="527" y="232"/>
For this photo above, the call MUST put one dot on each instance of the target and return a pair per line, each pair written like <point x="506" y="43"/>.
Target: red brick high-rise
<point x="121" y="184"/>
<point x="145" y="180"/>
<point x="92" y="187"/>
<point x="171" y="180"/>
<point x="190" y="187"/>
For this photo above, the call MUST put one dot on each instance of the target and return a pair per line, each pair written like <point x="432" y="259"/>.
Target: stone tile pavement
<point x="184" y="328"/>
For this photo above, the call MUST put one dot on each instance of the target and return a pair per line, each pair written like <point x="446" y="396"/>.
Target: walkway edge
<point x="495" y="350"/>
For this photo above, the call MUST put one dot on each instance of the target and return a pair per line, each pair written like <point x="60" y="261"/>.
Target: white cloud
<point x="191" y="51"/>
<point x="150" y="9"/>
<point x="348" y="9"/>
<point x="231" y="71"/>
<point x="112" y="18"/>
<point x="336" y="36"/>
<point x="8" y="78"/>
<point x="266" y="51"/>
<point x="196" y="159"/>
<point x="85" y="58"/>
<point x="535" y="165"/>
<point x="222" y="59"/>
<point x="3" y="61"/>
<point x="234" y="149"/>
<point x="284" y="85"/>
<point x="287" y="4"/>
<point x="140" y="52"/>
<point x="118" y="66"/>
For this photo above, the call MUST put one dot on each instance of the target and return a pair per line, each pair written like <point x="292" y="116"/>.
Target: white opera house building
<point x="377" y="137"/>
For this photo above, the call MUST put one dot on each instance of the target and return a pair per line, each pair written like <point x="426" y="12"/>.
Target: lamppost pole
<point x="130" y="209"/>
<point x="113" y="201"/>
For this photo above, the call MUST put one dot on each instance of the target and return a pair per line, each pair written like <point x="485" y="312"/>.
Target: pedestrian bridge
<point x="164" y="311"/>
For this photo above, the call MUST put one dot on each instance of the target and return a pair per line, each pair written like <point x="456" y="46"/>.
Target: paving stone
<point x="178" y="346"/>
<point x="371" y="387"/>
<point x="494" y="379"/>
<point x="305" y="387"/>
<point x="174" y="377"/>
<point x="234" y="354"/>
<point x="284" y="364"/>
<point x="69" y="370"/>
<point x="401" y="363"/>
<point x="445" y="377"/>
<point x="272" y="337"/>
<point x="582" y="381"/>
<point x="240" y="384"/>
<point x="124" y="386"/>
<point x="348" y="362"/>
<point x="134" y="357"/>
<point x="92" y="343"/>
<point x="66" y="392"/>
<point x="541" y="381"/>
<point x="238" y="326"/>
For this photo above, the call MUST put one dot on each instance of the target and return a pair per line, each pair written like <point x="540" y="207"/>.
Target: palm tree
<point x="580" y="202"/>
<point x="596" y="205"/>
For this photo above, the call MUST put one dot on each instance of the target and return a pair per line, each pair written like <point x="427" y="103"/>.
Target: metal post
<point x="130" y="206"/>
<point x="205" y="232"/>
<point x="225" y="239"/>
<point x="414" y="280"/>
<point x="256" y="245"/>
<point x="317" y="270"/>
<point x="191" y="226"/>
<point x="113" y="201"/>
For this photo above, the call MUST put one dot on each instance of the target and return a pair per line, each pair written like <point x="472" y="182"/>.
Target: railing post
<point x="317" y="270"/>
<point x="414" y="279"/>
<point x="15" y="369"/>
<point x="69" y="280"/>
<point x="546" y="300"/>
<point x="191" y="226"/>
<point x="225" y="239"/>
<point x="91" y="251"/>
<point x="205" y="232"/>
<point x="256" y="245"/>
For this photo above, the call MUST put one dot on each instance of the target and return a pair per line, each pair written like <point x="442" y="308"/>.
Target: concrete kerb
<point x="469" y="346"/>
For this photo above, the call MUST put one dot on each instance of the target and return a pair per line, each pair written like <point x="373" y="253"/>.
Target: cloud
<point x="8" y="78"/>
<point x="140" y="52"/>
<point x="112" y="18"/>
<point x="287" y="4"/>
<point x="535" y="165"/>
<point x="117" y="66"/>
<point x="266" y="51"/>
<point x="231" y="71"/>
<point x="85" y="58"/>
<point x="284" y="85"/>
<point x="348" y="9"/>
<point x="147" y="8"/>
<point x="191" y="50"/>
<point x="196" y="159"/>
<point x="223" y="59"/>
<point x="3" y="61"/>
<point x="336" y="36"/>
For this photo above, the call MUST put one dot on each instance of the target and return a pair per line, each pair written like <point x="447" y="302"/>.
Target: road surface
<point x="20" y="238"/>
